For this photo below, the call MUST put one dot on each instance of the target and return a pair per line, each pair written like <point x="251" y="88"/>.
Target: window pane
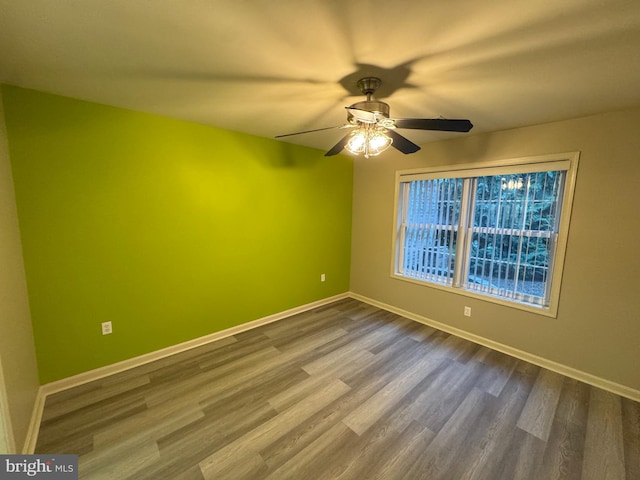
<point x="430" y="229"/>
<point x="510" y="266"/>
<point x="514" y="228"/>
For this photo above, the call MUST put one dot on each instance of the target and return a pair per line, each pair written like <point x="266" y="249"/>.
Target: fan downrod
<point x="369" y="85"/>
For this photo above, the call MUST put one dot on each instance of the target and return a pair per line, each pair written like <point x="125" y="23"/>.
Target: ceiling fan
<point x="372" y="130"/>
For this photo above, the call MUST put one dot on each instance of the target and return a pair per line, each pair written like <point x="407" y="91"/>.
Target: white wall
<point x="17" y="350"/>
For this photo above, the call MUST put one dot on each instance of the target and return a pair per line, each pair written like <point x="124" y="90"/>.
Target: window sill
<point x="550" y="311"/>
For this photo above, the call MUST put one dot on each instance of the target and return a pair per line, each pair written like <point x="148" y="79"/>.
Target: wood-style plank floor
<point x="346" y="391"/>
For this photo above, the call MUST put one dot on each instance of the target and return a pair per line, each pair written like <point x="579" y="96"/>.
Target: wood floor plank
<point x="498" y="437"/>
<point x="448" y="446"/>
<point x="310" y="462"/>
<point x="499" y="369"/>
<point x="286" y="397"/>
<point x="458" y="349"/>
<point x="363" y="451"/>
<point x="225" y="376"/>
<point x="391" y="356"/>
<point x="121" y="461"/>
<point x="226" y="460"/>
<point x="149" y="424"/>
<point x="522" y="459"/>
<point x="631" y="433"/>
<point x="392" y="461"/>
<point x="267" y="386"/>
<point x="421" y="332"/>
<point x="335" y="362"/>
<point x="604" y="442"/>
<point x="59" y="404"/>
<point x="345" y="391"/>
<point x="385" y="399"/>
<point x="194" y="443"/>
<point x="59" y="430"/>
<point x="565" y="446"/>
<point x="423" y="403"/>
<point x="192" y="473"/>
<point x="440" y="399"/>
<point x="537" y="416"/>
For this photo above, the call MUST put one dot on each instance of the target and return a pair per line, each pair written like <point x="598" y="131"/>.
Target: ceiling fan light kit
<point x="373" y="131"/>
<point x="368" y="140"/>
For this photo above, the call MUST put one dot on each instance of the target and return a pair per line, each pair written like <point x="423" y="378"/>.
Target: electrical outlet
<point x="467" y="311"/>
<point x="322" y="277"/>
<point x="106" y="328"/>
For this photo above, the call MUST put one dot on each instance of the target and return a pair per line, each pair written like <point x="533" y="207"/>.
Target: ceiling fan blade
<point x="311" y="131"/>
<point x="442" y="124"/>
<point x="401" y="143"/>
<point x="337" y="148"/>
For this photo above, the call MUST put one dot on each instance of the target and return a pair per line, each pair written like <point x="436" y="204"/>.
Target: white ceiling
<point x="269" y="67"/>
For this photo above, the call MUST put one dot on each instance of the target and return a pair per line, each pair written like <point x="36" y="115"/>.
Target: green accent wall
<point x="169" y="229"/>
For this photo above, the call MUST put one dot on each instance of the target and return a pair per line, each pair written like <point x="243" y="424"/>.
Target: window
<point x="496" y="230"/>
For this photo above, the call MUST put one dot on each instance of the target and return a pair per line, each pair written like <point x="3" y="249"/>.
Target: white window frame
<point x="567" y="162"/>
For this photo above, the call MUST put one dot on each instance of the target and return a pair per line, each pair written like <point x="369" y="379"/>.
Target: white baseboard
<point x="571" y="372"/>
<point x="98" y="373"/>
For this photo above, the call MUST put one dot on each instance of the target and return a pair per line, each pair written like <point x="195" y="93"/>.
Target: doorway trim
<point x="6" y="432"/>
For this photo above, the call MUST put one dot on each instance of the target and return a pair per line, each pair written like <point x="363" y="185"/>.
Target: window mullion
<point x="463" y="246"/>
<point x="404" y="225"/>
<point x="527" y="212"/>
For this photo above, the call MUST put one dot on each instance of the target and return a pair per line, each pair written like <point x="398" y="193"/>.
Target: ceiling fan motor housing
<point x="368" y="87"/>
<point x="373" y="106"/>
<point x="381" y="109"/>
